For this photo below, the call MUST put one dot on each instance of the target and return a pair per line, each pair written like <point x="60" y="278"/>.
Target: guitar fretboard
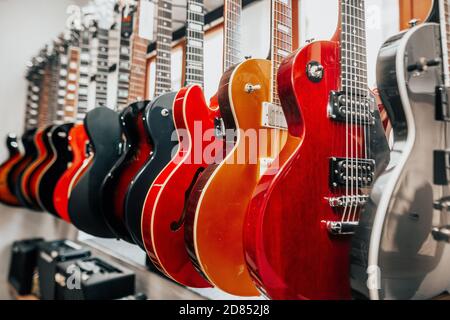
<point x="281" y="39"/>
<point x="163" y="82"/>
<point x="138" y="62"/>
<point x="232" y="32"/>
<point x="32" y="101"/>
<point x="73" y="75"/>
<point x="353" y="48"/>
<point x="43" y="116"/>
<point x="124" y="62"/>
<point x="444" y="11"/>
<point x="101" y="78"/>
<point x="84" y="74"/>
<point x="61" y="76"/>
<point x="195" y="42"/>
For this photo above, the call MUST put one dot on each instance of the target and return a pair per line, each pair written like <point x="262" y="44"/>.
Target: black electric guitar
<point x="158" y="126"/>
<point x="137" y="146"/>
<point x="59" y="138"/>
<point x="105" y="136"/>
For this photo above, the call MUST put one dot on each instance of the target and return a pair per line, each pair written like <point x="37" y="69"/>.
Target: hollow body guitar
<point x="28" y="187"/>
<point x="214" y="231"/>
<point x="30" y="154"/>
<point x="105" y="136"/>
<point x="6" y="194"/>
<point x="138" y="148"/>
<point x="78" y="143"/>
<point x="165" y="205"/>
<point x="57" y="165"/>
<point x="286" y="238"/>
<point x="159" y="126"/>
<point x="411" y="195"/>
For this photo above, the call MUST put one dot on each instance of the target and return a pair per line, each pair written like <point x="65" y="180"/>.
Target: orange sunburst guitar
<point x="249" y="103"/>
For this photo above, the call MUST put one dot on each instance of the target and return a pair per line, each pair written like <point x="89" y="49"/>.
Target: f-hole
<point x="176" y="225"/>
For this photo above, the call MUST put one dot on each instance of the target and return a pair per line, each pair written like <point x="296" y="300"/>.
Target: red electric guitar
<point x="164" y="209"/>
<point x="299" y="224"/>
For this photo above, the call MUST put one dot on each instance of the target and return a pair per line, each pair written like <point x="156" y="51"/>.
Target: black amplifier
<point x="23" y="264"/>
<point x="50" y="254"/>
<point x="93" y="279"/>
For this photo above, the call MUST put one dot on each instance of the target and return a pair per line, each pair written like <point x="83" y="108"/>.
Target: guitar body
<point x="7" y="195"/>
<point x="394" y="244"/>
<point x="214" y="230"/>
<point x="117" y="182"/>
<point x="159" y="126"/>
<point x="78" y="142"/>
<point x="61" y="157"/>
<point x="27" y="158"/>
<point x="26" y="189"/>
<point x="286" y="240"/>
<point x="104" y="132"/>
<point x="164" y="209"/>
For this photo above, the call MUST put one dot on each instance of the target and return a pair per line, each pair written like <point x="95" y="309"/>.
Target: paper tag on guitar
<point x="146" y="18"/>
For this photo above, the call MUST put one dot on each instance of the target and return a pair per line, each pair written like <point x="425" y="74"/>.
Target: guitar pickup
<point x="441" y="167"/>
<point x="273" y="116"/>
<point x="359" y="172"/>
<point x="442" y="104"/>
<point x="357" y="110"/>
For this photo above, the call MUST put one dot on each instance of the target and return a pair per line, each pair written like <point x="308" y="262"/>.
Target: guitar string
<point x="354" y="106"/>
<point x="345" y="43"/>
<point x="357" y="107"/>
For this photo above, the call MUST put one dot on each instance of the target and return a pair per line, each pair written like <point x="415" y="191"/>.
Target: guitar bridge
<point x="340" y="228"/>
<point x="348" y="201"/>
<point x="273" y="116"/>
<point x="441" y="234"/>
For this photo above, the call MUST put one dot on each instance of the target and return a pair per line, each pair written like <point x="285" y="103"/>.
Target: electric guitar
<point x="164" y="208"/>
<point x="298" y="229"/>
<point x="158" y="127"/>
<point x="17" y="161"/>
<point x="137" y="146"/>
<point x="37" y="146"/>
<point x="59" y="140"/>
<point x="395" y="254"/>
<point x="78" y="139"/>
<point x="105" y="136"/>
<point x="249" y="104"/>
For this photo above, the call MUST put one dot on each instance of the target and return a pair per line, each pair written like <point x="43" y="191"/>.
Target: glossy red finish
<point x="164" y="209"/>
<point x="78" y="141"/>
<point x="29" y="178"/>
<point x="6" y="196"/>
<point x="288" y="249"/>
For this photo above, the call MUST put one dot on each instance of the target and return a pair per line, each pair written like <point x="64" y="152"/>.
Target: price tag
<point x="146" y="20"/>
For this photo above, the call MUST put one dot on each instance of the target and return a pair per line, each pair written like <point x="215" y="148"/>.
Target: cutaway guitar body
<point x="105" y="136"/>
<point x="159" y="126"/>
<point x="61" y="157"/>
<point x="214" y="230"/>
<point x="288" y="244"/>
<point x="138" y="150"/>
<point x="78" y="143"/>
<point x="7" y="195"/>
<point x="27" y="158"/>
<point x="165" y="205"/>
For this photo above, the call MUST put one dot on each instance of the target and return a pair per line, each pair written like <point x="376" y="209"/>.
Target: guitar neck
<point x="281" y="39"/>
<point x="232" y="31"/>
<point x="84" y="74"/>
<point x="126" y="28"/>
<point x="444" y="12"/>
<point x="33" y="97"/>
<point x="73" y="76"/>
<point x="138" y="61"/>
<point x="101" y="79"/>
<point x="59" y="105"/>
<point x="43" y="116"/>
<point x="195" y="42"/>
<point x="163" y="48"/>
<point x="353" y="48"/>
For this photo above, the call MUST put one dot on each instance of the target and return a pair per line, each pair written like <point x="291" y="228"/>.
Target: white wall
<point x="25" y="26"/>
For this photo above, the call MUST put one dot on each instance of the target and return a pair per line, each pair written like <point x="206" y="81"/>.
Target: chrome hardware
<point x="414" y="22"/>
<point x="441" y="234"/>
<point x="361" y="172"/>
<point x="348" y="201"/>
<point x="247" y="57"/>
<point x="341" y="227"/>
<point x="165" y="112"/>
<point x="219" y="127"/>
<point x="273" y="116"/>
<point x="356" y="110"/>
<point x="310" y="40"/>
<point x="250" y="88"/>
<point x="424" y="64"/>
<point x="442" y="204"/>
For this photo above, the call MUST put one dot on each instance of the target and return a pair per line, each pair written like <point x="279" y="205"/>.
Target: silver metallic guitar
<point x="399" y="250"/>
